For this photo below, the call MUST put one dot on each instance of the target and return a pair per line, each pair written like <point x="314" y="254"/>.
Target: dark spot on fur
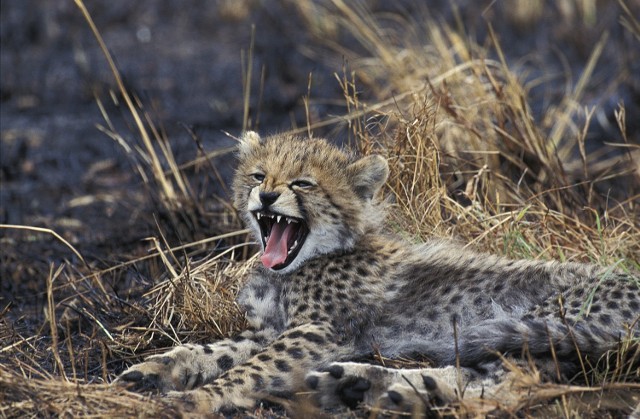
<point x="279" y="347"/>
<point x="264" y="357"/>
<point x="312" y="382"/>
<point x="282" y="365"/>
<point x="605" y="318"/>
<point x="225" y="362"/>
<point x="258" y="382"/>
<point x="186" y="400"/>
<point x="362" y="271"/>
<point x="276" y="381"/>
<point x="336" y="371"/>
<point x="295" y="334"/>
<point x="395" y="397"/>
<point x="132" y="376"/>
<point x="312" y="337"/>
<point x="207" y="350"/>
<point x="612" y="305"/>
<point x="295" y="353"/>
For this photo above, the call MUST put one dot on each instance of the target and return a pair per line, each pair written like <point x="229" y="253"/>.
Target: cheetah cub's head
<point x="305" y="197"/>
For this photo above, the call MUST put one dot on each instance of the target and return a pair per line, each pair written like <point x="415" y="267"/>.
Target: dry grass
<point x="468" y="160"/>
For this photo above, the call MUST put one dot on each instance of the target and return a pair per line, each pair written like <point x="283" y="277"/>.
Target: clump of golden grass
<point x="23" y="396"/>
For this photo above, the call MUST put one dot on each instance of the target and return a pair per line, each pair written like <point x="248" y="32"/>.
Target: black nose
<point x="268" y="198"/>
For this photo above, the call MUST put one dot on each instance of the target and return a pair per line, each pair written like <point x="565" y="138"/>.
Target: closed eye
<point x="258" y="176"/>
<point x="304" y="184"/>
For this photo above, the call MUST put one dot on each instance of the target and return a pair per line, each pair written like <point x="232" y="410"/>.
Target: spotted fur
<point x="346" y="288"/>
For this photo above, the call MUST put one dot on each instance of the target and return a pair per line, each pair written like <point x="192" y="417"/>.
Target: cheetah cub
<point x="332" y="288"/>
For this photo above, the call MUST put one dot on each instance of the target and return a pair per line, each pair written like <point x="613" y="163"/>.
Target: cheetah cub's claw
<point x="174" y="370"/>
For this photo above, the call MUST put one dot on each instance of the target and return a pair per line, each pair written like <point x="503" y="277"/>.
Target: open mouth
<point x="282" y="237"/>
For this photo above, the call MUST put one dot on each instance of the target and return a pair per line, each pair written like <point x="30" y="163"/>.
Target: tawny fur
<point x="352" y="288"/>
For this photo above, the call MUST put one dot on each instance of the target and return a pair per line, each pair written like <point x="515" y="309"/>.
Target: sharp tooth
<point x="265" y="239"/>
<point x="295" y="244"/>
<point x="288" y="220"/>
<point x="258" y="215"/>
<point x="279" y="217"/>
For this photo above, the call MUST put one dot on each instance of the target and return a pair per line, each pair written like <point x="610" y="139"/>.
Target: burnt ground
<point x="185" y="62"/>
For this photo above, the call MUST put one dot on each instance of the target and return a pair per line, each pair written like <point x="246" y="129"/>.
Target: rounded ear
<point x="248" y="140"/>
<point x="369" y="175"/>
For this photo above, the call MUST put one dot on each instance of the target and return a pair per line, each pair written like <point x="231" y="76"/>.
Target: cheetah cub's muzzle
<point x="282" y="238"/>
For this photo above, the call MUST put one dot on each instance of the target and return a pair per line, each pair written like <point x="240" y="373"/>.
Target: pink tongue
<point x="276" y="251"/>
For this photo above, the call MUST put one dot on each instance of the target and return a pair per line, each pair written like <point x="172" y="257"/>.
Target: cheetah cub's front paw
<point x="350" y="383"/>
<point x="174" y="370"/>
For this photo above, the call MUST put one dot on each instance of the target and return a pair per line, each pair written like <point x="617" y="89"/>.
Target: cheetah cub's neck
<point x="303" y="198"/>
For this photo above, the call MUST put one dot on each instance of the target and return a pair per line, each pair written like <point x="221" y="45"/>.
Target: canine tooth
<point x="295" y="244"/>
<point x="288" y="220"/>
<point x="258" y="215"/>
<point x="279" y="218"/>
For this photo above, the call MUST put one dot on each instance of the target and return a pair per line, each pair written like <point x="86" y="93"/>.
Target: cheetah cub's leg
<point x="188" y="366"/>
<point x="351" y="383"/>
<point x="276" y="371"/>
